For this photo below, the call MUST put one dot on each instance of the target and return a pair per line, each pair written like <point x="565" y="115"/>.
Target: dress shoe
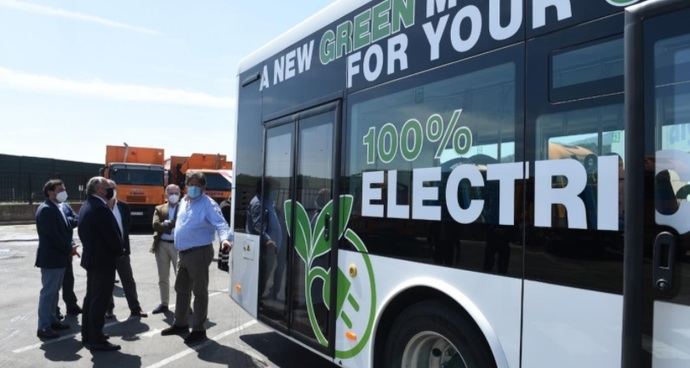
<point x="195" y="337"/>
<point x="175" y="330"/>
<point x="103" y="346"/>
<point x="73" y="310"/>
<point x="138" y="314"/>
<point x="47" y="333"/>
<point x="109" y="315"/>
<point x="57" y="326"/>
<point x="161" y="309"/>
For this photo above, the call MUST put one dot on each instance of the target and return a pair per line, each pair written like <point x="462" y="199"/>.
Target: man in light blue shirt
<point x="198" y="220"/>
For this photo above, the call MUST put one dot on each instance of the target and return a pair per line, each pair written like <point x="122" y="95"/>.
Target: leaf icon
<point x="302" y="236"/>
<point x="346" y="202"/>
<point x="321" y="245"/>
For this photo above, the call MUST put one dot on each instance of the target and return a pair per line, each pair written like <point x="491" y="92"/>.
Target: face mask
<point x="193" y="192"/>
<point x="173" y="198"/>
<point x="61" y="197"/>
<point x="109" y="193"/>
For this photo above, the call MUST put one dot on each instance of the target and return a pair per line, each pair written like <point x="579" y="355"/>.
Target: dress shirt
<point x="118" y="217"/>
<point x="197" y="221"/>
<point x="171" y="217"/>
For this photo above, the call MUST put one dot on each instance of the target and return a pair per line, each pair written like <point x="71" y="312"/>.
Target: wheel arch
<point x="419" y="289"/>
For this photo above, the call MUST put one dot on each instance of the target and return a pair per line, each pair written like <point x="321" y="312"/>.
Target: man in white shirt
<point x="163" y="247"/>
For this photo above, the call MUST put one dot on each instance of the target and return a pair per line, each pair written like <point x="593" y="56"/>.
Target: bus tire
<point x="425" y="334"/>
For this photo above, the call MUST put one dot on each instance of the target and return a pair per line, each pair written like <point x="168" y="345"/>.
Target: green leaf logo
<point x="312" y="243"/>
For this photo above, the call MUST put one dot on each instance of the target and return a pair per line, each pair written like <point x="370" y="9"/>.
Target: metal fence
<point x="28" y="187"/>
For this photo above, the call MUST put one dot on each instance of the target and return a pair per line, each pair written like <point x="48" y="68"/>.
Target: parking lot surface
<point x="235" y="338"/>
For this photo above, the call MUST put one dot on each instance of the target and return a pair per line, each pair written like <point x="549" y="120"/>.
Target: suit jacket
<point x="100" y="236"/>
<point x="160" y="214"/>
<point x="54" y="237"/>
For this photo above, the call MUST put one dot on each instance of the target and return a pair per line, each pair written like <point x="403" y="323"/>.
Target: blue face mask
<point x="193" y="192"/>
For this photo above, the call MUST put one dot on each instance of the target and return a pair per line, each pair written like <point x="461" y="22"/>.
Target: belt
<point x="190" y="250"/>
<point x="168" y="241"/>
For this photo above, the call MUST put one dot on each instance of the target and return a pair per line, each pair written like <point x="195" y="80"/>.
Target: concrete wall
<point x="23" y="213"/>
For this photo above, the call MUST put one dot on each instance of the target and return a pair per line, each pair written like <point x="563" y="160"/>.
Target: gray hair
<point x="111" y="182"/>
<point x="198" y="176"/>
<point x="172" y="186"/>
<point x="93" y="184"/>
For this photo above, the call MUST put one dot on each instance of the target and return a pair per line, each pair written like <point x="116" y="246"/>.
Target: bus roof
<point x="320" y="19"/>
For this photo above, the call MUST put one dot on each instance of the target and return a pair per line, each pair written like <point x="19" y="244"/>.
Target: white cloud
<point x="61" y="13"/>
<point x="110" y="91"/>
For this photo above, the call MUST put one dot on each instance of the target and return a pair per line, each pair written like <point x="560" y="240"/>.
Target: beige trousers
<point x="166" y="254"/>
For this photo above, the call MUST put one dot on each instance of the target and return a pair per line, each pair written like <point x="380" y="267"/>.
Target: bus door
<point x="295" y="278"/>
<point x="656" y="331"/>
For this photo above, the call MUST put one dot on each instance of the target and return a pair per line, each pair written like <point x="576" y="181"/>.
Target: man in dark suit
<point x="52" y="257"/>
<point x="122" y="264"/>
<point x="102" y="244"/>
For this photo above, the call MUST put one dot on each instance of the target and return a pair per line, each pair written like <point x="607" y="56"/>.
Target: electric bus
<point x="474" y="183"/>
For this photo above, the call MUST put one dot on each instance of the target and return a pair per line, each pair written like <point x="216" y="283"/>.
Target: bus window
<point x="591" y="70"/>
<point x="467" y="113"/>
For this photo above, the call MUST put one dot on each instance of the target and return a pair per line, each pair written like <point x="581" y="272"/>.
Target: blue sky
<point x="78" y="75"/>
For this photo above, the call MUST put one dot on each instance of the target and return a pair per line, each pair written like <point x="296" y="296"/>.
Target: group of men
<point x="184" y="229"/>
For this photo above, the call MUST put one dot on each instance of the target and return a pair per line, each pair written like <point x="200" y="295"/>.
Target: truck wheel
<point x="430" y="334"/>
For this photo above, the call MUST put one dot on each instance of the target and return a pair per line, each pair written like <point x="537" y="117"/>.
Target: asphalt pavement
<point x="235" y="338"/>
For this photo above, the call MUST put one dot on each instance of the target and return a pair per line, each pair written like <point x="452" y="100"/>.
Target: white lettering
<point x="545" y="195"/>
<point x="377" y="52"/>
<point x="397" y="51"/>
<point x="501" y="33"/>
<point x="278" y="75"/>
<point x="371" y="194"/>
<point x="434" y="36"/>
<point x="395" y="210"/>
<point x="473" y="14"/>
<point x="264" y="79"/>
<point x="607" y="193"/>
<point x="563" y="11"/>
<point x="434" y="7"/>
<point x="353" y="67"/>
<point x="474" y="210"/>
<point x="420" y="193"/>
<point x="290" y="64"/>
<point x="506" y="174"/>
<point x="304" y="57"/>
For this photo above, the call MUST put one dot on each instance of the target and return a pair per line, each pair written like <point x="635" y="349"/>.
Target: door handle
<point x="664" y="259"/>
<point x="327" y="226"/>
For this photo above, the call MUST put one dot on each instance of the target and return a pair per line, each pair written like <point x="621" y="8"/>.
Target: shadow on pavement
<point x="114" y="359"/>
<point x="129" y="329"/>
<point x="213" y="352"/>
<point x="283" y="352"/>
<point x="65" y="351"/>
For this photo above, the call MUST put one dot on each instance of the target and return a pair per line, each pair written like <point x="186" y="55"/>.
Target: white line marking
<point x="201" y="346"/>
<point x="151" y="333"/>
<point x="61" y="338"/>
<point x="67" y="337"/>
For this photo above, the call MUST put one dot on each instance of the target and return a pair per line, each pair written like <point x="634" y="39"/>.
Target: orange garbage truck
<point x="140" y="178"/>
<point x="215" y="167"/>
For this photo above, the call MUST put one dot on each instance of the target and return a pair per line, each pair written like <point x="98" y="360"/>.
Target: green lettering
<point x="380" y="21"/>
<point x="327" y="47"/>
<point x="403" y="13"/>
<point x="344" y="39"/>
<point x="362" y="36"/>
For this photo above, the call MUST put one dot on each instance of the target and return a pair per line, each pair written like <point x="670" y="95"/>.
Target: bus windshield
<point x="133" y="175"/>
<point x="215" y="181"/>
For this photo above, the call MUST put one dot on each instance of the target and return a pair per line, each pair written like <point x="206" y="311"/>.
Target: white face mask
<point x="173" y="198"/>
<point x="61" y="197"/>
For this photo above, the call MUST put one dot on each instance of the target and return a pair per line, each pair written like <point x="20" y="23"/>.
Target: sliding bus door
<point x="657" y="273"/>
<point x="295" y="280"/>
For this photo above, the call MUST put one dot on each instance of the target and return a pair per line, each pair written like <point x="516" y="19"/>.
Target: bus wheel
<point x="431" y="334"/>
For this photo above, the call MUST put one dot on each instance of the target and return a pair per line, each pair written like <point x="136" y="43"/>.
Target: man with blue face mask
<point x="198" y="219"/>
